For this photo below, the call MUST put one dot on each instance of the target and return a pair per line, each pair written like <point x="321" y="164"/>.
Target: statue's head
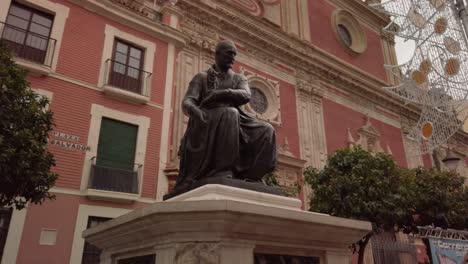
<point x="225" y="54"/>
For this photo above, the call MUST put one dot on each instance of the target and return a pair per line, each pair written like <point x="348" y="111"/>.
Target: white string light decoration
<point x="436" y="77"/>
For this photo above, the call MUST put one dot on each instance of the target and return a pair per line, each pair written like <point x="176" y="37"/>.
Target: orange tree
<point x="25" y="163"/>
<point x="368" y="186"/>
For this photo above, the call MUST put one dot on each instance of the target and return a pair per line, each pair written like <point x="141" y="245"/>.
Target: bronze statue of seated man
<point x="221" y="139"/>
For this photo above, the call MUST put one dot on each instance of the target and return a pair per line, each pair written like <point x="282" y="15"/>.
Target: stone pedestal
<point x="217" y="224"/>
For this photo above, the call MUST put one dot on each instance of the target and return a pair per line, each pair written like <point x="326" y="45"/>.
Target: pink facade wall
<point x="323" y="36"/>
<point x="59" y="215"/>
<point x="81" y="60"/>
<point x="71" y="103"/>
<point x="338" y="118"/>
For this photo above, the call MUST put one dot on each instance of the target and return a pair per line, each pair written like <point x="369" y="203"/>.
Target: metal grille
<point x="112" y="178"/>
<point x="390" y="251"/>
<point x="258" y="101"/>
<point x="344" y="34"/>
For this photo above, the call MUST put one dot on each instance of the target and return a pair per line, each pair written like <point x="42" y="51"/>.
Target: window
<point x="130" y="61"/>
<point x="349" y="31"/>
<point x="126" y="69"/>
<point x="258" y="101"/>
<point x="27" y="32"/>
<point x="265" y="101"/>
<point x="92" y="253"/>
<point x="114" y="167"/>
<point x="345" y="36"/>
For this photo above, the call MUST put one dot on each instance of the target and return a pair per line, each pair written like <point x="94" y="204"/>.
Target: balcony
<point x="126" y="82"/>
<point x="33" y="51"/>
<point x="143" y="8"/>
<point x="113" y="181"/>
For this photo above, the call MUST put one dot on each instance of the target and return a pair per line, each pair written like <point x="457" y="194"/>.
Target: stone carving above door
<point x="369" y="139"/>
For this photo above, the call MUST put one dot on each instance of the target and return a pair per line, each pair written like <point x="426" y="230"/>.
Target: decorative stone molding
<point x="200" y="36"/>
<point x="349" y="24"/>
<point x="312" y="87"/>
<point x="134" y="20"/>
<point x="269" y="44"/>
<point x="171" y="14"/>
<point x="207" y="253"/>
<point x="369" y="15"/>
<point x="270" y="89"/>
<point x="369" y="139"/>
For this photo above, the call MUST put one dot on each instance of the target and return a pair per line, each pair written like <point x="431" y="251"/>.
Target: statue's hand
<point x="214" y="96"/>
<point x="199" y="114"/>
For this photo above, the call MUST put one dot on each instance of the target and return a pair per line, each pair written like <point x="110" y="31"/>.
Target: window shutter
<point x="117" y="144"/>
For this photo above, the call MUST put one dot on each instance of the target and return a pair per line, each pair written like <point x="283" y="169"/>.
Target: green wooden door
<point x="117" y="144"/>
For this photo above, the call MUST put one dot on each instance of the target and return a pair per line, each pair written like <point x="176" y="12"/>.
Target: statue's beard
<point x="225" y="66"/>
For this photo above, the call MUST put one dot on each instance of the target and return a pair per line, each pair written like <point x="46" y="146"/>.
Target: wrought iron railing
<point x="114" y="176"/>
<point x="391" y="251"/>
<point x="141" y="7"/>
<point x="128" y="78"/>
<point x="28" y="45"/>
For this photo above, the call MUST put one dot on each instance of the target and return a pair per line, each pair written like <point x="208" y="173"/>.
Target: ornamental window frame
<point x="344" y="20"/>
<point x="270" y="89"/>
<point x="113" y="34"/>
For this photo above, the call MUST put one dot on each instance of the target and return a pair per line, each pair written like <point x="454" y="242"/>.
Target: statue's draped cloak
<point x="231" y="140"/>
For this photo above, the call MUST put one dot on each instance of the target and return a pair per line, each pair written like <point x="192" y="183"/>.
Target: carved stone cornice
<point x="312" y="87"/>
<point x="291" y="161"/>
<point x="117" y="13"/>
<point x="363" y="11"/>
<point x="269" y="44"/>
<point x="200" y="36"/>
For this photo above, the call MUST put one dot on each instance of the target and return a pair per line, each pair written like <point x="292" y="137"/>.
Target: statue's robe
<point x="231" y="142"/>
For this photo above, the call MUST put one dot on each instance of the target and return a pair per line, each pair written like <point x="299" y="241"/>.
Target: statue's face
<point x="225" y="57"/>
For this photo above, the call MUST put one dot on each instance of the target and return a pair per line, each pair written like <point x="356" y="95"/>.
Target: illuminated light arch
<point x="436" y="77"/>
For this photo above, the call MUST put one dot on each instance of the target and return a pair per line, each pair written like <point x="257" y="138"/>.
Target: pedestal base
<point x="252" y="186"/>
<point x="225" y="225"/>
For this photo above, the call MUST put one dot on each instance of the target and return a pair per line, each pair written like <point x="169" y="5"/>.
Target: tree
<point x="360" y="185"/>
<point x="365" y="186"/>
<point x="439" y="198"/>
<point x="25" y="162"/>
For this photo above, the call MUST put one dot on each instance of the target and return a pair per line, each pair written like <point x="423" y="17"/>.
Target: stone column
<point x="311" y="125"/>
<point x="171" y="14"/>
<point x="165" y="254"/>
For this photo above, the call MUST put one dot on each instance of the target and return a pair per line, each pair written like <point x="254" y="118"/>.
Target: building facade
<point x="115" y="72"/>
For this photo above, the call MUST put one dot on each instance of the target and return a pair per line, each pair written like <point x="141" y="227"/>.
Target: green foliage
<point x="360" y="185"/>
<point x="438" y="193"/>
<point x="365" y="186"/>
<point x="271" y="179"/>
<point x="25" y="163"/>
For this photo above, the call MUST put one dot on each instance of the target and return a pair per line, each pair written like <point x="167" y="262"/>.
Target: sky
<point x="404" y="49"/>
